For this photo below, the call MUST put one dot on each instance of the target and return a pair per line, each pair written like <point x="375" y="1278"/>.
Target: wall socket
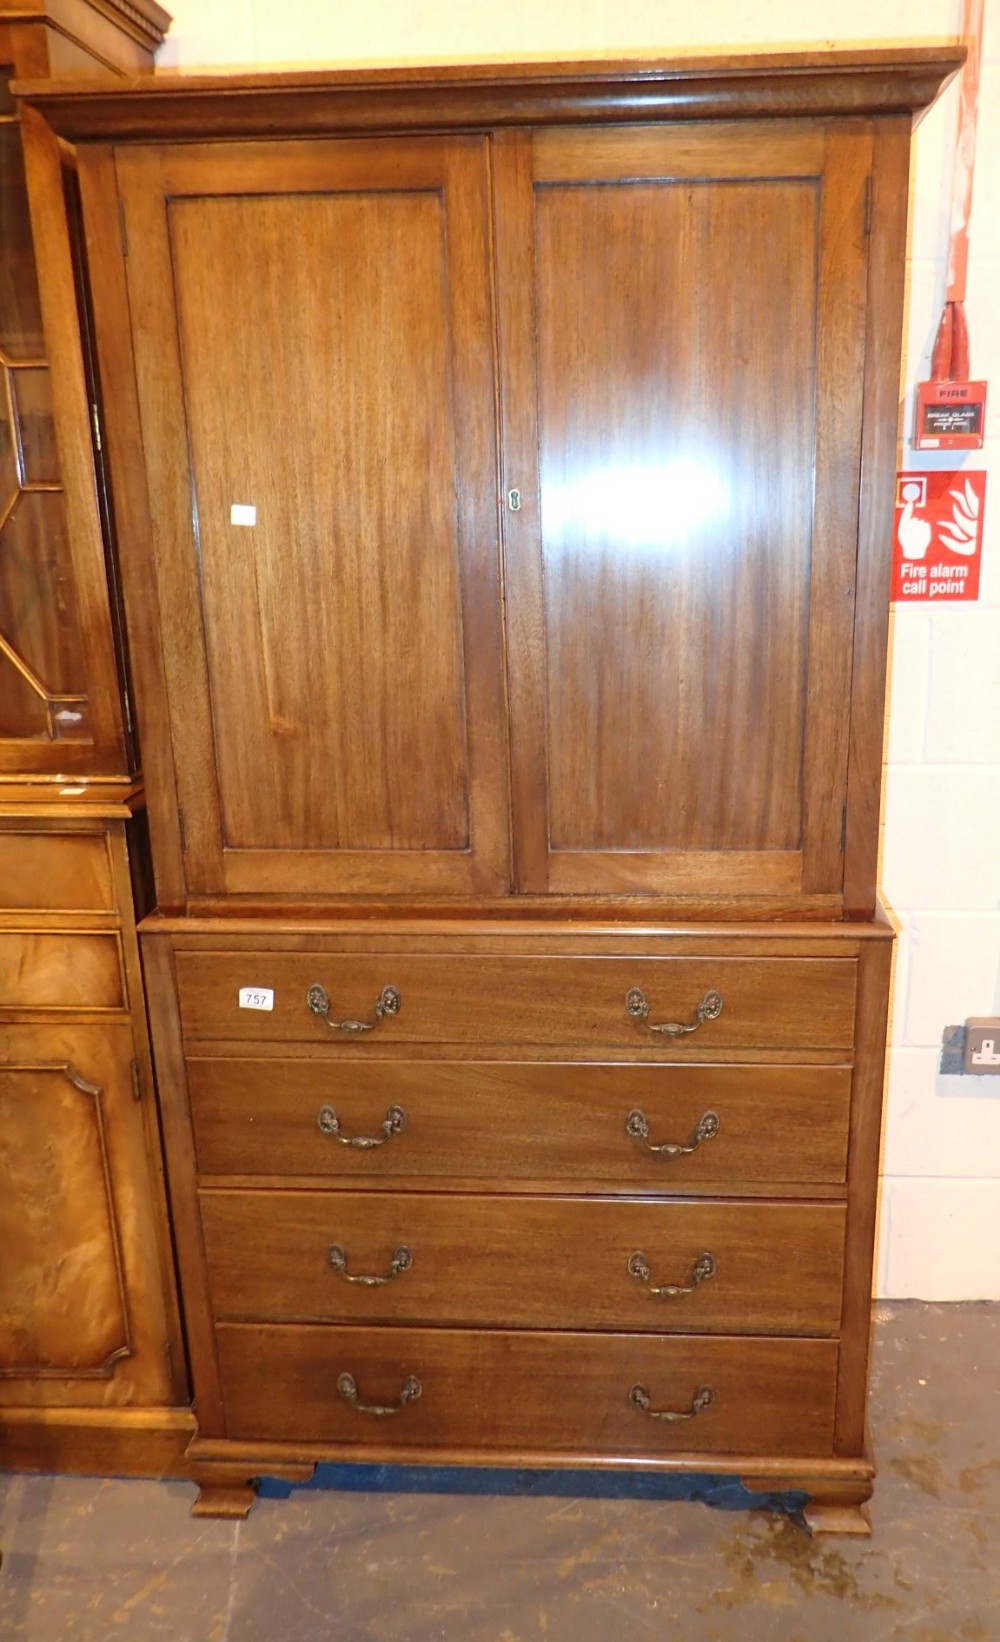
<point x="982" y="1045"/>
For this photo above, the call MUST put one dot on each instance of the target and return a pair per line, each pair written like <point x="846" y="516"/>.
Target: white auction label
<point x="242" y="513"/>
<point x="256" y="997"/>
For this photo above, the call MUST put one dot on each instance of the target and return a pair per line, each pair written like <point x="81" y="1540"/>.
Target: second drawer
<point x="556" y="1124"/>
<point x="767" y="1268"/>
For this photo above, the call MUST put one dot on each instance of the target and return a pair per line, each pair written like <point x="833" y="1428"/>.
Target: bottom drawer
<point x="489" y="1391"/>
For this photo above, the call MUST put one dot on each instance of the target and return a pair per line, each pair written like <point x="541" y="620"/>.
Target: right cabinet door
<point x="681" y="318"/>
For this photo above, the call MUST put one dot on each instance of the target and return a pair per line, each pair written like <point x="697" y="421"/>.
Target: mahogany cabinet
<point x="92" y="1371"/>
<point x="503" y="464"/>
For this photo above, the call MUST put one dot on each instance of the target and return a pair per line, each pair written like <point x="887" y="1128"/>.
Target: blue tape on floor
<point x="721" y="1493"/>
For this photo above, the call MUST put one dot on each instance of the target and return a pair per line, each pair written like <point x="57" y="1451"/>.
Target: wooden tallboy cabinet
<point x="92" y="1371"/>
<point x="503" y="471"/>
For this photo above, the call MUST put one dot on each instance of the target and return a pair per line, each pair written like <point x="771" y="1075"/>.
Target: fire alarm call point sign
<point x="939" y="536"/>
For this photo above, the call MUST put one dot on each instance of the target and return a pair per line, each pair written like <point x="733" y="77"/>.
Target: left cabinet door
<point x="314" y="354"/>
<point x="59" y="690"/>
<point x="81" y="1306"/>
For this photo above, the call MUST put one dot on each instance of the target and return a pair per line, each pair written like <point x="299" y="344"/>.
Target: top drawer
<point x="766" y="1003"/>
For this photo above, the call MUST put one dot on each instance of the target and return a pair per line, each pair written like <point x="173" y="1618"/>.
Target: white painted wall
<point x="940" y="1228"/>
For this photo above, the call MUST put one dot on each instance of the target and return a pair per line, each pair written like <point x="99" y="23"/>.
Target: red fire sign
<point x="939" y="536"/>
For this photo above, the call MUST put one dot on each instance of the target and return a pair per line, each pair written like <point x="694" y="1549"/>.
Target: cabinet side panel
<point x="875" y="522"/>
<point x="130" y="501"/>
<point x="862" y="1191"/>
<point x="182" y="1177"/>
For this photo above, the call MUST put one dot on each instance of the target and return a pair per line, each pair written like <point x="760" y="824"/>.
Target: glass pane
<point x="32" y="396"/>
<point x="23" y="712"/>
<point x="8" y="449"/>
<point x="38" y="616"/>
<point x="20" y="315"/>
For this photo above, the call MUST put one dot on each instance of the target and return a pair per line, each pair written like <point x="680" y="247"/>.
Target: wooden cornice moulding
<point x="470" y="96"/>
<point x="143" y="20"/>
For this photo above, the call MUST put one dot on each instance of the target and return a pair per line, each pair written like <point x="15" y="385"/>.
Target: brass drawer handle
<point x="388" y="1002"/>
<point x="701" y="1271"/>
<point x="393" y="1124"/>
<point x="639" y="1398"/>
<point x="709" y="1009"/>
<point x="401" y="1261"/>
<point x="347" y="1387"/>
<point x="707" y="1126"/>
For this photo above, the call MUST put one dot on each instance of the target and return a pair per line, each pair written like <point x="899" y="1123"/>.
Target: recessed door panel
<point x="676" y="421"/>
<point x="82" y="1296"/>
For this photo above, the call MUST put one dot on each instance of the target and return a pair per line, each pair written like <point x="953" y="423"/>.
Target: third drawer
<point x="528" y="1262"/>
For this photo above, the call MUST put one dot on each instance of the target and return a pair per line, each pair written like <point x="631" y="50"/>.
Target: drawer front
<point x="496" y="1392"/>
<point x="525" y="1262"/>
<point x="551" y="1123"/>
<point x="767" y="1003"/>
<point x="55" y="872"/>
<point x="56" y="971"/>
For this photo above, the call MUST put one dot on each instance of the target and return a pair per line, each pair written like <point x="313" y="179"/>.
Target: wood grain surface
<point x="495" y="1391"/>
<point x="553" y="1124"/>
<point x="56" y="872"/>
<point x="767" y="1003"/>
<point x="60" y="971"/>
<point x="524" y="1262"/>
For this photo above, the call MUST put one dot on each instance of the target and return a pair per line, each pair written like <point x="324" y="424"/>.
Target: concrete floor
<point x="493" y="1557"/>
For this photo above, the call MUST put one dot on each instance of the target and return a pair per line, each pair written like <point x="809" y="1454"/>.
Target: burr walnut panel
<point x="59" y="871"/>
<point x="62" y="1299"/>
<point x="56" y="970"/>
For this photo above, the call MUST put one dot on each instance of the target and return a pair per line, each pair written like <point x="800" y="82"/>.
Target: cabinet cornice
<point x="457" y="97"/>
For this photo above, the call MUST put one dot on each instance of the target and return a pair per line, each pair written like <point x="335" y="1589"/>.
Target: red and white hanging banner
<point x="965" y="154"/>
<point x="938" y="541"/>
<point x="950" y="409"/>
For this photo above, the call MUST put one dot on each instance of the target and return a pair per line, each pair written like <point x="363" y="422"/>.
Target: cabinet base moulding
<point x="96" y="1442"/>
<point x="230" y="1490"/>
<point x="835" y="1506"/>
<point x="837" y="1489"/>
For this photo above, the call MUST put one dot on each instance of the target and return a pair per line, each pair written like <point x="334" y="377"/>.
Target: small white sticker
<point x="241" y="513"/>
<point x="256" y="997"/>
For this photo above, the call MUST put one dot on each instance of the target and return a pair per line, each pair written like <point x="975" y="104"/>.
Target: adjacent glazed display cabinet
<point x="92" y="1369"/>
